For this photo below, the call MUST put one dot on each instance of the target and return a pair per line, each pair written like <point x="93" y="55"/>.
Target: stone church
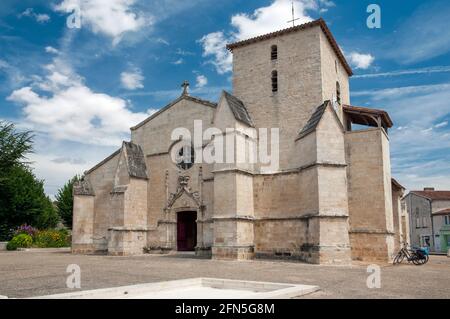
<point x="330" y="200"/>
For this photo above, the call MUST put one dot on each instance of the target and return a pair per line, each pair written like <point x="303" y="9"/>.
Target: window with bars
<point x="274" y="81"/>
<point x="274" y="52"/>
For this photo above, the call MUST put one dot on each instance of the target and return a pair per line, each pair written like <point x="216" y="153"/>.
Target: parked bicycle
<point x="418" y="256"/>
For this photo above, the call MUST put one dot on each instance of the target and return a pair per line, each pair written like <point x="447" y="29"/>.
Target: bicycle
<point x="417" y="256"/>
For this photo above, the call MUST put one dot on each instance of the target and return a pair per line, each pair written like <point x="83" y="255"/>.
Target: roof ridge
<point x="101" y="163"/>
<point x="314" y="120"/>
<point x="238" y="109"/>
<point x="432" y="195"/>
<point x="161" y="110"/>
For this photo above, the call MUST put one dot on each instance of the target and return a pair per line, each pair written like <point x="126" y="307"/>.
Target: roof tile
<point x="433" y="195"/>
<point x="314" y="120"/>
<point x="238" y="108"/>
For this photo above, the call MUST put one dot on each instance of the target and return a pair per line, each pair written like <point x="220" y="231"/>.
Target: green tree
<point x="64" y="202"/>
<point x="14" y="146"/>
<point x="23" y="200"/>
<point x="22" y="196"/>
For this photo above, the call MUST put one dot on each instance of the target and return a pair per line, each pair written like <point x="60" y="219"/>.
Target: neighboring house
<point x="401" y="218"/>
<point x="429" y="214"/>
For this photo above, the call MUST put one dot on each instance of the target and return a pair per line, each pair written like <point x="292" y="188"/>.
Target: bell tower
<point x="282" y="77"/>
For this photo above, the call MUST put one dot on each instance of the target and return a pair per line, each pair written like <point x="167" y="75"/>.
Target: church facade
<point x="330" y="198"/>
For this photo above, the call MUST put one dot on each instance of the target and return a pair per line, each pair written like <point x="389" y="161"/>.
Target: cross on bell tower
<point x="293" y="16"/>
<point x="185" y="87"/>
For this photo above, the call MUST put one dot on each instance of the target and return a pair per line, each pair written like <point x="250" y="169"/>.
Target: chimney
<point x="429" y="189"/>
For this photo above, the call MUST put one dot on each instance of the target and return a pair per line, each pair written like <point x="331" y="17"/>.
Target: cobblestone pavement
<point x="27" y="274"/>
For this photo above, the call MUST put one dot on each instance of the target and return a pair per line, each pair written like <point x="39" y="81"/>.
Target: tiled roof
<point x="433" y="195"/>
<point x="443" y="212"/>
<point x="186" y="97"/>
<point x="397" y="184"/>
<point x="320" y="22"/>
<point x="314" y="120"/>
<point x="350" y="109"/>
<point x="238" y="108"/>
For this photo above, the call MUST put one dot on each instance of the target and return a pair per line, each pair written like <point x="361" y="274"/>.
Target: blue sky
<point x="80" y="89"/>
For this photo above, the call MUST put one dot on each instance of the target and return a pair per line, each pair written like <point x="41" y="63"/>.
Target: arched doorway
<point x="186" y="231"/>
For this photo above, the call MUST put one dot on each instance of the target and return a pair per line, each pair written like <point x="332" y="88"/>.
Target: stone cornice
<point x="285" y="172"/>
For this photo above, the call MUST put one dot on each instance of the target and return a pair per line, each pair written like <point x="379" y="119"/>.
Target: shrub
<point x="51" y="239"/>
<point x="25" y="229"/>
<point x="20" y="241"/>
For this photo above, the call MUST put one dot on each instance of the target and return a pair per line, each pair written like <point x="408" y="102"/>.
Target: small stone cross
<point x="185" y="87"/>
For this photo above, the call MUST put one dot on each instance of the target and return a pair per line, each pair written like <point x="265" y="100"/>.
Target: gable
<point x="316" y="119"/>
<point x="171" y="104"/>
<point x="231" y="110"/>
<point x="131" y="164"/>
<point x="238" y="108"/>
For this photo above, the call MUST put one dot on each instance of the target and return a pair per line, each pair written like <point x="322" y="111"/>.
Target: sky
<point x="80" y="83"/>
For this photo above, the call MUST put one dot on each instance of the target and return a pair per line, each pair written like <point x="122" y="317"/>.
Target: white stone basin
<point x="196" y="288"/>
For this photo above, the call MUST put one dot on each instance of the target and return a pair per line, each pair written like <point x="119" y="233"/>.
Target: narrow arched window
<point x="274" y="52"/>
<point x="274" y="81"/>
<point x="338" y="92"/>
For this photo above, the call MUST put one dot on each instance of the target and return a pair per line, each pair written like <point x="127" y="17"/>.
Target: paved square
<point x="28" y="274"/>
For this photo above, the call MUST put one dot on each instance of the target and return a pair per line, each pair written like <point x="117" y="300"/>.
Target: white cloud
<point x="14" y="74"/>
<point x="214" y="45"/>
<point x="178" y="62"/>
<point x="112" y="18"/>
<point x="202" y="81"/>
<point x="427" y="130"/>
<point x="132" y="80"/>
<point x="268" y="19"/>
<point x="162" y="41"/>
<point x="419" y="149"/>
<point x="360" y="60"/>
<point x="39" y="17"/>
<point x="50" y="49"/>
<point x="184" y="52"/>
<point x="71" y="111"/>
<point x="42" y="18"/>
<point x="442" y="124"/>
<point x="399" y="92"/>
<point x="429" y="70"/>
<point x="58" y="161"/>
<point x="263" y="20"/>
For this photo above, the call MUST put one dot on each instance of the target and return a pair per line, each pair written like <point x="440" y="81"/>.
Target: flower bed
<point x="27" y="237"/>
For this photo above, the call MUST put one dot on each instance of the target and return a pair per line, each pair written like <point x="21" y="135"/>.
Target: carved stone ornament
<point x="183" y="188"/>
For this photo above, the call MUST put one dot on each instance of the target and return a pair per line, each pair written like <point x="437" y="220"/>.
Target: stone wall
<point x="83" y="224"/>
<point x="283" y="206"/>
<point x="299" y="84"/>
<point x="370" y="195"/>
<point x="102" y="181"/>
<point x="333" y="71"/>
